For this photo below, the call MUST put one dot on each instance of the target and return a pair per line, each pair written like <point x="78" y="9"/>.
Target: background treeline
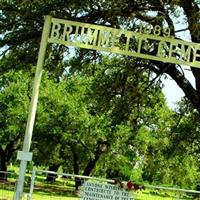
<point x="99" y="114"/>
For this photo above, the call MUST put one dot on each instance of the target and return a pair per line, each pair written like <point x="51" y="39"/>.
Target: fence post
<point x="32" y="183"/>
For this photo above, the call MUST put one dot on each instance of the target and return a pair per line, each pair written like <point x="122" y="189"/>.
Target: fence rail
<point x="7" y="185"/>
<point x="48" y="185"/>
<point x="62" y="186"/>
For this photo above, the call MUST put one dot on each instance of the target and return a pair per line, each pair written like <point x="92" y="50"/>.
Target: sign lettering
<point x="142" y="45"/>
<point x="97" y="191"/>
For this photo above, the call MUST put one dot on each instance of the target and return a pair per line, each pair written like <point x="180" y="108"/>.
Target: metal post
<point x="32" y="183"/>
<point x="25" y="155"/>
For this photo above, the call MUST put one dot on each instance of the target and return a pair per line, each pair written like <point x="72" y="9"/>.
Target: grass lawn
<point x="160" y="196"/>
<point x="63" y="190"/>
<point x="38" y="196"/>
<point x="8" y="195"/>
<point x="145" y="195"/>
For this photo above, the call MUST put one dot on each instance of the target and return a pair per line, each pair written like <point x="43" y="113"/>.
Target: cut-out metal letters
<point x="148" y="46"/>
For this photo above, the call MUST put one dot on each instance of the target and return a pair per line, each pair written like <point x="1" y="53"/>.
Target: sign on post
<point x="154" y="44"/>
<point x="25" y="155"/>
<point x="103" y="191"/>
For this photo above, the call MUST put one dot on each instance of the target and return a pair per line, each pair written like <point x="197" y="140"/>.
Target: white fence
<point x="61" y="186"/>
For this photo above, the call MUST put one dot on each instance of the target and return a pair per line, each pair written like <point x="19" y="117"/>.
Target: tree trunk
<point x="52" y="177"/>
<point x="3" y="168"/>
<point x="185" y="85"/>
<point x="76" y="167"/>
<point x="6" y="155"/>
<point x="101" y="148"/>
<point x="191" y="10"/>
<point x="190" y="92"/>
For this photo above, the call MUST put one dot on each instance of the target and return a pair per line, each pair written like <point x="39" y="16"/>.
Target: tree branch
<point x="92" y="162"/>
<point x="184" y="84"/>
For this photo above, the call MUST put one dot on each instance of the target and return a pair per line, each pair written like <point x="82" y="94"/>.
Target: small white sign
<point x="27" y="156"/>
<point x="99" y="191"/>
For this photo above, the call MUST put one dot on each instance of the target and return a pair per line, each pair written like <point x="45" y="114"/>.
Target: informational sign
<point x="97" y="191"/>
<point x="152" y="43"/>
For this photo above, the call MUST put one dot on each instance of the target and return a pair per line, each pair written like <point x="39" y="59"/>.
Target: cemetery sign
<point x="153" y="43"/>
<point x="103" y="191"/>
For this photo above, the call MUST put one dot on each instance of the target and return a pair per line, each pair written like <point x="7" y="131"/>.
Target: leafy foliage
<point x="14" y="99"/>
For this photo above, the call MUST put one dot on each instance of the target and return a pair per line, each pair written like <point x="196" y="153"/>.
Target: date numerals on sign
<point x="156" y="30"/>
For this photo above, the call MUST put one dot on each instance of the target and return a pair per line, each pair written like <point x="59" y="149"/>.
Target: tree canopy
<point x="21" y="26"/>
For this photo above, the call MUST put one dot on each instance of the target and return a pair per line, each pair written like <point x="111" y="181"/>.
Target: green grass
<point x="8" y="195"/>
<point x="144" y="195"/>
<point x="47" y="196"/>
<point x="161" y="195"/>
<point x="63" y="189"/>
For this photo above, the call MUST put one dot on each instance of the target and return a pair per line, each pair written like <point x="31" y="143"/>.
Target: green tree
<point x="65" y="128"/>
<point x="138" y="154"/>
<point x="21" y="25"/>
<point x="184" y="137"/>
<point x="125" y="96"/>
<point x="14" y="99"/>
<point x="168" y="148"/>
<point x="86" y="115"/>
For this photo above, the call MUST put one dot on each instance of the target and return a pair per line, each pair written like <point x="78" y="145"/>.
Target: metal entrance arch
<point x="107" y="39"/>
